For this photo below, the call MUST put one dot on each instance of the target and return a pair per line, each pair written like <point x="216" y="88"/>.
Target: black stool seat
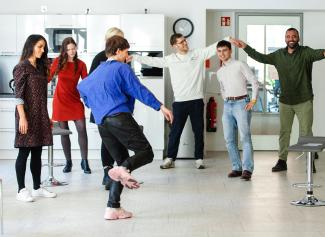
<point x="309" y="145"/>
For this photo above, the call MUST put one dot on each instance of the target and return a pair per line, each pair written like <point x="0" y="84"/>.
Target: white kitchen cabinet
<point x="65" y="21"/>
<point x="145" y="32"/>
<point x="7" y="125"/>
<point x="97" y="25"/>
<point x="7" y="139"/>
<point x="27" y="25"/>
<point x="153" y="122"/>
<point x="8" y="34"/>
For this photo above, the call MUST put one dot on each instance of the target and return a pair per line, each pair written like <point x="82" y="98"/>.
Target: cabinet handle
<point x="65" y="25"/>
<point x="7" y="53"/>
<point x="7" y="130"/>
<point x="7" y="110"/>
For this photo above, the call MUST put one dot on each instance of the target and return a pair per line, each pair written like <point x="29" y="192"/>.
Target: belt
<point x="236" y="97"/>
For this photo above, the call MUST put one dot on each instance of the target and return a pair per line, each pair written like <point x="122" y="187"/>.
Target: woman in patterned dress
<point x="67" y="105"/>
<point x="33" y="128"/>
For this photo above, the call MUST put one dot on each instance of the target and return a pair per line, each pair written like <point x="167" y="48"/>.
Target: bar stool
<point x="1" y="212"/>
<point x="309" y="145"/>
<point x="51" y="181"/>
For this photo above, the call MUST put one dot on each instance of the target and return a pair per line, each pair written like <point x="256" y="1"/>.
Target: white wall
<point x="314" y="36"/>
<point x="196" y="11"/>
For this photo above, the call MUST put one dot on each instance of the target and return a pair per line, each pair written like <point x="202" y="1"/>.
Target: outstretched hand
<point x="167" y="113"/>
<point x="238" y="43"/>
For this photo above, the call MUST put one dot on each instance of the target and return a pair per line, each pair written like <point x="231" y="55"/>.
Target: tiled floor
<point x="178" y="202"/>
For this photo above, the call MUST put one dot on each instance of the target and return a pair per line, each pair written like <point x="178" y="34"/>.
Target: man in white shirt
<point x="187" y="72"/>
<point x="233" y="77"/>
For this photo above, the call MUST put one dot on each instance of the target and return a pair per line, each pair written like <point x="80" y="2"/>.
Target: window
<point x="265" y="33"/>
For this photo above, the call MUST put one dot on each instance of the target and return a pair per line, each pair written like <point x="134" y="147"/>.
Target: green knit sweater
<point x="295" y="71"/>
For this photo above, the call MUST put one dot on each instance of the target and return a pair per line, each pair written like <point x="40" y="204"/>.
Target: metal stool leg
<point x="1" y="213"/>
<point x="51" y="181"/>
<point x="309" y="200"/>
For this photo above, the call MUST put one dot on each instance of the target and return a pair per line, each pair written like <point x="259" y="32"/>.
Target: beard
<point x="292" y="45"/>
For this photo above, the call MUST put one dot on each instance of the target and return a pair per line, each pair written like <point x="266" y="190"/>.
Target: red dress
<point x="66" y="101"/>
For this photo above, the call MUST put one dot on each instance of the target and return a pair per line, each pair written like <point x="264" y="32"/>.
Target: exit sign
<point x="225" y="21"/>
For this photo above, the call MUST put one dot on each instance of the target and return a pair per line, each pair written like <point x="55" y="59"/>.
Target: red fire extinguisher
<point x="211" y="115"/>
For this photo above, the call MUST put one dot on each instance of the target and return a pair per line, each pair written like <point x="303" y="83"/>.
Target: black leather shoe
<point x="316" y="156"/>
<point x="314" y="167"/>
<point x="85" y="166"/>
<point x="67" y="167"/>
<point x="247" y="175"/>
<point x="234" y="174"/>
<point x="281" y="165"/>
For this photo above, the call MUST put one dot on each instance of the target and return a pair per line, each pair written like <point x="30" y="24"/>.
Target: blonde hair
<point x="112" y="32"/>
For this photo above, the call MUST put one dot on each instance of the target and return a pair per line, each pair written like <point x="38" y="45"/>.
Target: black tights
<point x="35" y="166"/>
<point x="82" y="139"/>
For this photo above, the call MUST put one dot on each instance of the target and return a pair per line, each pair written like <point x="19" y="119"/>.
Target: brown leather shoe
<point x="234" y="174"/>
<point x="246" y="175"/>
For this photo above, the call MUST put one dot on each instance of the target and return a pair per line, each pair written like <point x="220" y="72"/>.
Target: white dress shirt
<point x="233" y="77"/>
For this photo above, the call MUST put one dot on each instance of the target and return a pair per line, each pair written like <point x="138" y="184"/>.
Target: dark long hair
<point x="41" y="63"/>
<point x="63" y="57"/>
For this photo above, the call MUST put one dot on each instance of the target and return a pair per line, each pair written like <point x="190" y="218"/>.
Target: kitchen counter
<point x="7" y="95"/>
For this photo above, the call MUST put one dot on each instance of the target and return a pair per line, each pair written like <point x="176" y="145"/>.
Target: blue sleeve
<point x="82" y="91"/>
<point x="133" y="87"/>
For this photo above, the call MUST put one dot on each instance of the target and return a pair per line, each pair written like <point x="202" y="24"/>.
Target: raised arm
<point x="316" y="54"/>
<point x="262" y="58"/>
<point x="160" y="62"/>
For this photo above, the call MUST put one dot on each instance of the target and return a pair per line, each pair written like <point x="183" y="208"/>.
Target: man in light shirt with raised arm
<point x="233" y="77"/>
<point x="186" y="69"/>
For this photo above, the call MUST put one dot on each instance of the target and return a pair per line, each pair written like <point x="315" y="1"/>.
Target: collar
<point x="226" y="63"/>
<point x="286" y="50"/>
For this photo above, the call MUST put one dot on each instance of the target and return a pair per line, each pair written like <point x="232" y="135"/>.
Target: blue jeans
<point x="236" y="118"/>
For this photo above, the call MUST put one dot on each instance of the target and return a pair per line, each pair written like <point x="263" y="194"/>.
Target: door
<point x="266" y="33"/>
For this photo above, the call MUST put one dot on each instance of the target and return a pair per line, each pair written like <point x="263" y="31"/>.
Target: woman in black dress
<point x="33" y="127"/>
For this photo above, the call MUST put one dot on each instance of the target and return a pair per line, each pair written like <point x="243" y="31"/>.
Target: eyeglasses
<point x="182" y="42"/>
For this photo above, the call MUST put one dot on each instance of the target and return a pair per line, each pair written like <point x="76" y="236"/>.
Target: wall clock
<point x="183" y="26"/>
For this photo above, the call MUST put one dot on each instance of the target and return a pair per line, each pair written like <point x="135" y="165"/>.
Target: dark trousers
<point x="181" y="110"/>
<point x="35" y="166"/>
<point x="107" y="159"/>
<point x="121" y="133"/>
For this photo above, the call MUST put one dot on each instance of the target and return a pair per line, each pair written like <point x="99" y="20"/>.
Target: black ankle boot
<point x="281" y="165"/>
<point x="85" y="166"/>
<point x="106" y="179"/>
<point x="67" y="167"/>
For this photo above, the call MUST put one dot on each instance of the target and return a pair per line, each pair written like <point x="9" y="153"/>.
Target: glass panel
<point x="274" y="41"/>
<point x="265" y="34"/>
<point x="255" y="36"/>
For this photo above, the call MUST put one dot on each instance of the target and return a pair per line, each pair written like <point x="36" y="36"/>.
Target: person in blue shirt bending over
<point x="110" y="91"/>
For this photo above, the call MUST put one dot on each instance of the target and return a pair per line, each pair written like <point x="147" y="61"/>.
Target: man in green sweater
<point x="294" y="64"/>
